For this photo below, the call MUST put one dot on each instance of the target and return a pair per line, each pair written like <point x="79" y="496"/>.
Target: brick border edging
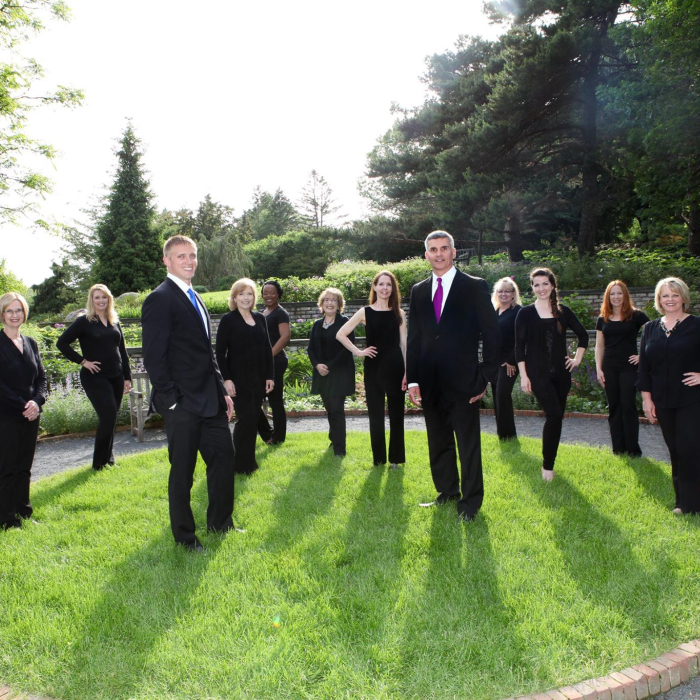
<point x="644" y="680"/>
<point x="638" y="682"/>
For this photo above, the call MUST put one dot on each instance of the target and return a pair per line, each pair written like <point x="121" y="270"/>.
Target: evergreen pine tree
<point x="129" y="253"/>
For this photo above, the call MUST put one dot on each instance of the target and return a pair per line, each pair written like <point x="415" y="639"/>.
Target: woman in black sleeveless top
<point x="385" y="365"/>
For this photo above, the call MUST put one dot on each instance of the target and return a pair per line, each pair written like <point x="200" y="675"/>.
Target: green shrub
<point x="68" y="410"/>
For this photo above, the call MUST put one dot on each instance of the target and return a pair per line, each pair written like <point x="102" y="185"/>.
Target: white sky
<point x="227" y="95"/>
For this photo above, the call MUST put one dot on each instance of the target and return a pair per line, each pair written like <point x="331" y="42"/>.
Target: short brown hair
<point x="177" y="240"/>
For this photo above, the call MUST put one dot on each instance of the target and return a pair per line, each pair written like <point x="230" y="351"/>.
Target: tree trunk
<point x="589" y="128"/>
<point x="692" y="221"/>
<point x="511" y="234"/>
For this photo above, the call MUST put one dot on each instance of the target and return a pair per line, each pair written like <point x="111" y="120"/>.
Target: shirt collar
<point x="183" y="285"/>
<point x="447" y="277"/>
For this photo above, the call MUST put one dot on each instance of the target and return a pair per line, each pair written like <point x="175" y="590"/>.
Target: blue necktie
<point x="193" y="299"/>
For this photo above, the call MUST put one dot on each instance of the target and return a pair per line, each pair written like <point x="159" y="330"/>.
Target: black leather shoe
<point x="195" y="546"/>
<point x="440" y="500"/>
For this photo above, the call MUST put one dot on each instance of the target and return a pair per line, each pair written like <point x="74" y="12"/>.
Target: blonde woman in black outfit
<point x="506" y="301"/>
<point x="669" y="379"/>
<point x="244" y="355"/>
<point x="104" y="373"/>
<point x="22" y="394"/>
<point x="616" y="360"/>
<point x="545" y="368"/>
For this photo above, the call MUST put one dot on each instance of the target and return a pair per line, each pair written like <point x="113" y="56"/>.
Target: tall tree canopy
<point x="20" y="184"/>
<point x="516" y="139"/>
<point x="270" y="215"/>
<point x="129" y="253"/>
<point x="317" y="204"/>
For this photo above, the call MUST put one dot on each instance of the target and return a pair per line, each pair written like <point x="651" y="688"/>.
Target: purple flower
<point x="58" y="325"/>
<point x="300" y="320"/>
<point x="296" y="289"/>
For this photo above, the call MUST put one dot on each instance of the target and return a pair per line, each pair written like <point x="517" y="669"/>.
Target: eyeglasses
<point x="330" y="300"/>
<point x="14" y="312"/>
<point x="505" y="291"/>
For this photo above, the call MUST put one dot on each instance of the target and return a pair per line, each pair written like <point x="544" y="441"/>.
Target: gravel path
<point x="56" y="455"/>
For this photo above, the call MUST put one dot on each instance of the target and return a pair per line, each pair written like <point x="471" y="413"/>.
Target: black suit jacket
<point x="443" y="359"/>
<point x="178" y="355"/>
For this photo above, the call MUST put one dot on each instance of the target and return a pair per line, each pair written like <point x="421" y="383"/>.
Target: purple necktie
<point x="437" y="300"/>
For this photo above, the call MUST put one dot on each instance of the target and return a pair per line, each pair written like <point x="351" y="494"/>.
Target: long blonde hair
<point x="91" y="313"/>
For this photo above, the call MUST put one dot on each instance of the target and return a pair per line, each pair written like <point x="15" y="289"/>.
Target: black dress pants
<point x="278" y="432"/>
<point x="17" y="445"/>
<point x="375" y="391"/>
<point x="335" y="408"/>
<point x="623" y="418"/>
<point x="188" y="434"/>
<point x="680" y="430"/>
<point x="248" y="405"/>
<point x="446" y="420"/>
<point x="551" y="393"/>
<point x="105" y="394"/>
<point x="502" y="388"/>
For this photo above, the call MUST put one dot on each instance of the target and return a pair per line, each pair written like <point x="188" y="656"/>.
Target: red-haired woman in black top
<point x="616" y="359"/>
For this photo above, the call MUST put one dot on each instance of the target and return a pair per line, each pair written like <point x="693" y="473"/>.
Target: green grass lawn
<point x="343" y="587"/>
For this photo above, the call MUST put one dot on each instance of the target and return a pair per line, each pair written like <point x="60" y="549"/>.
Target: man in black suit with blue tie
<point x="188" y="391"/>
<point x="449" y="313"/>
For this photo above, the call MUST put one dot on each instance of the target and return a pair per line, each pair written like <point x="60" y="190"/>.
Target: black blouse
<point x="324" y="348"/>
<point x="506" y="324"/>
<point x="273" y="320"/>
<point x="98" y="343"/>
<point x="244" y="352"/>
<point x="540" y="344"/>
<point x="663" y="362"/>
<point x="22" y="376"/>
<point x="621" y="339"/>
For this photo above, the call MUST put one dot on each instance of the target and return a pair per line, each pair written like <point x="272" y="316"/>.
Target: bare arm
<point x="342" y="335"/>
<point x="285" y="335"/>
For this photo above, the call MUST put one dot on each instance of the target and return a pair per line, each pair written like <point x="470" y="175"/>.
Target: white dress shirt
<point x="447" y="279"/>
<point x="184" y="286"/>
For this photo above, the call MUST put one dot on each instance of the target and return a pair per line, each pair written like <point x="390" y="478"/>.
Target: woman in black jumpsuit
<point x="385" y="365"/>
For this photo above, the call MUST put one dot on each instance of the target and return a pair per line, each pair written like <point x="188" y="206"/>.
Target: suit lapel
<point x="428" y="300"/>
<point x="452" y="297"/>
<point x="185" y="300"/>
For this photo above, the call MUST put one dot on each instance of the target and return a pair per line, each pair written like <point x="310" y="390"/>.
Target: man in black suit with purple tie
<point x="188" y="391"/>
<point x="449" y="313"/>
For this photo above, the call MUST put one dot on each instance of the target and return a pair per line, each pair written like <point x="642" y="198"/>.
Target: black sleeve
<point x="642" y="318"/>
<point x="576" y="326"/>
<point x="69" y="336"/>
<point x="39" y="389"/>
<point x="521" y="334"/>
<point x="643" y="368"/>
<point x="269" y="360"/>
<point x="126" y="370"/>
<point x="311" y="347"/>
<point x="341" y="349"/>
<point x="599" y="324"/>
<point x="221" y="348"/>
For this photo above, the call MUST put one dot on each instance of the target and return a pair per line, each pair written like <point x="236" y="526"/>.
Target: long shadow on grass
<point x="369" y="574"/>
<point x="43" y="496"/>
<point x="308" y="495"/>
<point x="654" y="480"/>
<point x="456" y="627"/>
<point x="148" y="593"/>
<point x="598" y="555"/>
